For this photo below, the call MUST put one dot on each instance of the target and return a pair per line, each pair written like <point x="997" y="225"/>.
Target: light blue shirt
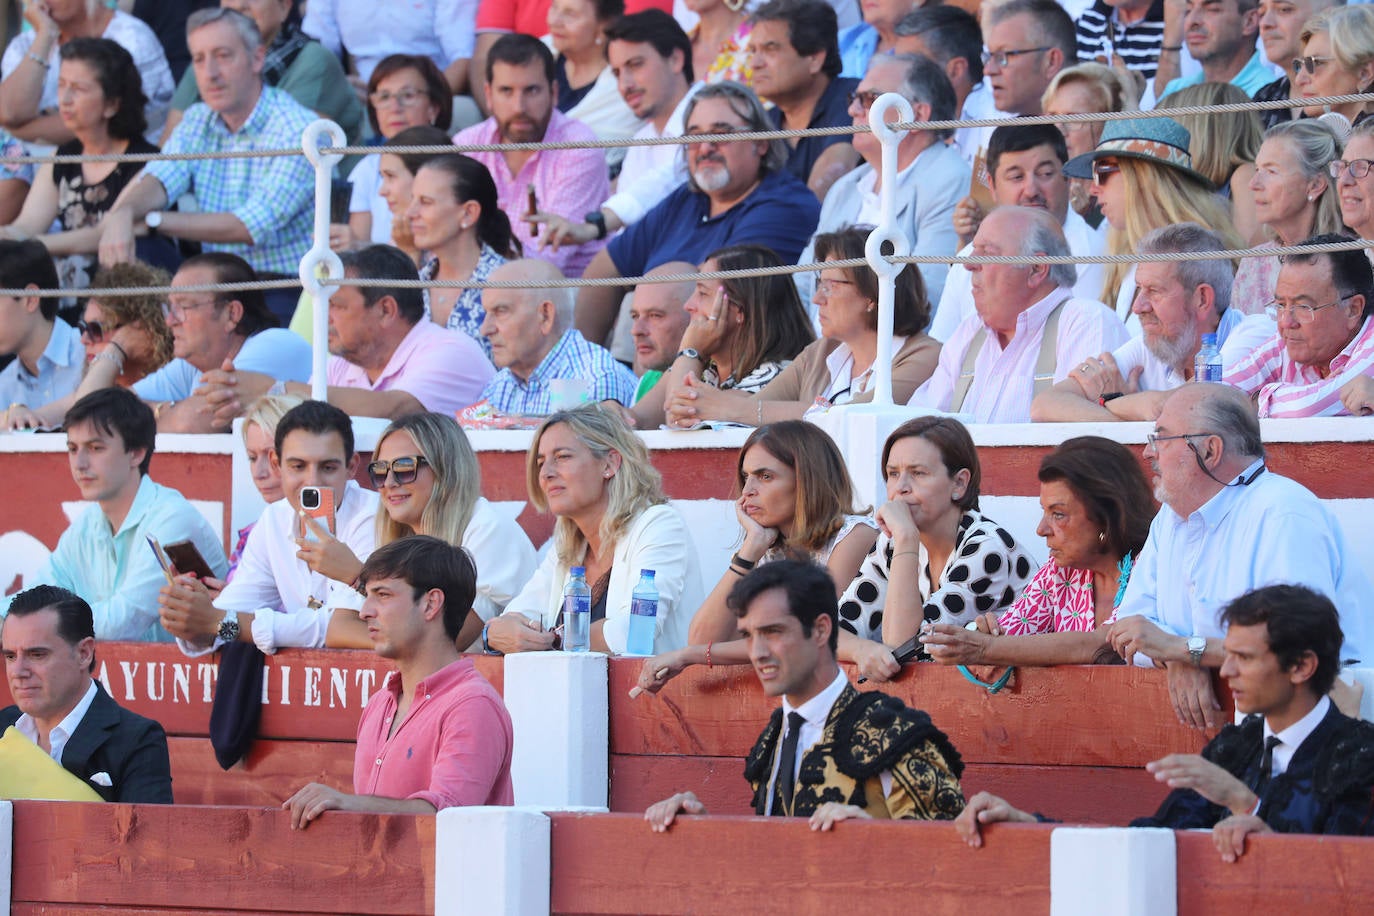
<point x="277" y="352"/>
<point x="1273" y="531"/>
<point x="59" y="370"/>
<point x="117" y="572"/>
<point x="858" y="43"/>
<point x="1253" y="77"/>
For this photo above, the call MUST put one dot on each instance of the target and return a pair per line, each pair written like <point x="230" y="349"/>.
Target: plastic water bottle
<point x="577" y="612"/>
<point x="643" y="615"/>
<point x="1207" y="363"/>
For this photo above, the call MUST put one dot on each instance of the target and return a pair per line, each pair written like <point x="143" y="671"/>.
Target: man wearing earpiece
<point x="1227" y="525"/>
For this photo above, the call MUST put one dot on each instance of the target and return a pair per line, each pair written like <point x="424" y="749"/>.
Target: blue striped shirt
<point x="571" y="357"/>
<point x="273" y="197"/>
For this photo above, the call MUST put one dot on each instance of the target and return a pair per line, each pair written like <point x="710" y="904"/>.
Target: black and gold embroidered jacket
<point x="866" y="734"/>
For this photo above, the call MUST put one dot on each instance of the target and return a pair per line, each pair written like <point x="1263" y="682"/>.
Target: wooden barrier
<point x="1277" y="874"/>
<point x="1069" y="742"/>
<point x="82" y="857"/>
<point x="615" y="864"/>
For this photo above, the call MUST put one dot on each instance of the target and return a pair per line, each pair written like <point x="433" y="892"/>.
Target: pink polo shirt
<point x="452" y="749"/>
<point x="444" y="370"/>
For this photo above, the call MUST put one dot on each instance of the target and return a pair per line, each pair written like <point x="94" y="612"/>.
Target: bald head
<point x="1206" y="435"/>
<point x="522" y="325"/>
<point x="658" y="318"/>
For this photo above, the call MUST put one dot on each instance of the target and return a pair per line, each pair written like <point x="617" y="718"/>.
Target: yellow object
<point x="27" y="772"/>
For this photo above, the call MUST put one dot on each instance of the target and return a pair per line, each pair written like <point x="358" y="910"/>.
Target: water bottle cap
<point x="1209" y="340"/>
<point x="646" y="573"/>
<point x="579" y="570"/>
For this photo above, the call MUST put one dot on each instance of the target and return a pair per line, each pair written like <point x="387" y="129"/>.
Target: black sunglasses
<point x="404" y="469"/>
<point x="92" y="329"/>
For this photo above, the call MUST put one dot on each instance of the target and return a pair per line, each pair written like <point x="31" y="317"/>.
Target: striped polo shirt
<point x="1100" y="36"/>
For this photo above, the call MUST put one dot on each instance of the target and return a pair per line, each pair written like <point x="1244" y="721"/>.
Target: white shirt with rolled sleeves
<point x="1236" y="334"/>
<point x="658" y="539"/>
<point x="1004" y="379"/>
<point x="277" y="588"/>
<point x="648" y="173"/>
<point x="1269" y="532"/>
<point x="956" y="300"/>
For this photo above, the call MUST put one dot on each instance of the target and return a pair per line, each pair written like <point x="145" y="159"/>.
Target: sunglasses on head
<point x="404" y="469"/>
<point x="92" y="329"/>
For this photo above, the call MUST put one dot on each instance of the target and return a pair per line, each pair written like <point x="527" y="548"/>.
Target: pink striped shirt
<point x="1284" y="388"/>
<point x="568" y="182"/>
<point x="453" y="747"/>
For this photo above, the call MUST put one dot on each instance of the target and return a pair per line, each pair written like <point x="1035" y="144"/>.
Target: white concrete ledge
<point x="559" y="706"/>
<point x="492" y="860"/>
<point x="1113" y="871"/>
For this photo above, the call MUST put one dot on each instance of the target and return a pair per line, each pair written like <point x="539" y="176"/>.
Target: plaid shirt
<point x="571" y="357"/>
<point x="273" y="197"/>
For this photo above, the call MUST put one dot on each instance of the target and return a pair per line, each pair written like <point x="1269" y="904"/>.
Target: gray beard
<point x="1177" y="353"/>
<point x="712" y="178"/>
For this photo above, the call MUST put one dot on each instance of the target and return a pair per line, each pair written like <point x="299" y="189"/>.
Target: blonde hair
<point x="1110" y="91"/>
<point x="457" y="478"/>
<point x="636" y="486"/>
<point x="1314" y="145"/>
<point x="1158" y="195"/>
<point x="267" y="412"/>
<point x="1220" y="141"/>
<point x="1350" y="30"/>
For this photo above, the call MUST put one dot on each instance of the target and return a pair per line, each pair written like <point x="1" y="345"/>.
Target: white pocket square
<point x="102" y="779"/>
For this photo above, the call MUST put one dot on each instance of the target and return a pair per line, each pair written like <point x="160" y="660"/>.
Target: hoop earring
<point x="734" y="6"/>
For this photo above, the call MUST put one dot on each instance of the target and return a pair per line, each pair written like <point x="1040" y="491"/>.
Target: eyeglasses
<point x="405" y="98"/>
<point x="1153" y="439"/>
<point x="405" y="469"/>
<point x="177" y="310"/>
<point x="1102" y="171"/>
<point x="91" y="329"/>
<point x="865" y="98"/>
<point x="827" y="287"/>
<point x="1310" y="63"/>
<point x="693" y="132"/>
<point x="1003" y="58"/>
<point x="1358" y="168"/>
<point x="1301" y="312"/>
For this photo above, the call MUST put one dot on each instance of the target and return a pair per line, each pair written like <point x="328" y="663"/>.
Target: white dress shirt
<point x="1004" y="377"/>
<point x="62" y="731"/>
<point x="648" y="173"/>
<point x="278" y="589"/>
<point x="1292" y="737"/>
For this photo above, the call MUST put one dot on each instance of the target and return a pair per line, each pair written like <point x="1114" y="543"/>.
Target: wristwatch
<point x="153" y="220"/>
<point x="229" y="628"/>
<point x="690" y="353"/>
<point x="1196" y="646"/>
<point x="597" y="219"/>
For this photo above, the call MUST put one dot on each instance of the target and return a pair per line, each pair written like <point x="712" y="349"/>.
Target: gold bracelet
<point x="906" y="553"/>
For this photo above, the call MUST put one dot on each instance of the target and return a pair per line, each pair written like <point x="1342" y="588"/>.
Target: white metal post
<point x="320" y="262"/>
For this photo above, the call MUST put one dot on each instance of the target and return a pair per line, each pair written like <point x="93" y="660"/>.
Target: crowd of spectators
<point x="818" y="577"/>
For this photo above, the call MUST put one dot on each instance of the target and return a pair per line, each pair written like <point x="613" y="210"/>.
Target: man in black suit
<point x="1296" y="764"/>
<point x="49" y="649"/>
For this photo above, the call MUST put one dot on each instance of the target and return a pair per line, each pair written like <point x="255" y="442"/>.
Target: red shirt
<point x="532" y="16"/>
<point x="453" y="747"/>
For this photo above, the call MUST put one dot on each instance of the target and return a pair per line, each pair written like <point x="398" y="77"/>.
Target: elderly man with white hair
<point x="533" y="344"/>
<point x="1029" y="331"/>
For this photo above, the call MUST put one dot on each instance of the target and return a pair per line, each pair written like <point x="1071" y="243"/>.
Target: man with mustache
<point x="1220" y="35"/>
<point x="520" y="94"/>
<point x="737" y="192"/>
<point x="1227" y="525"/>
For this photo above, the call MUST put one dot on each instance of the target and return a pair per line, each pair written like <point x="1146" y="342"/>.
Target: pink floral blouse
<point x="1058" y="600"/>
